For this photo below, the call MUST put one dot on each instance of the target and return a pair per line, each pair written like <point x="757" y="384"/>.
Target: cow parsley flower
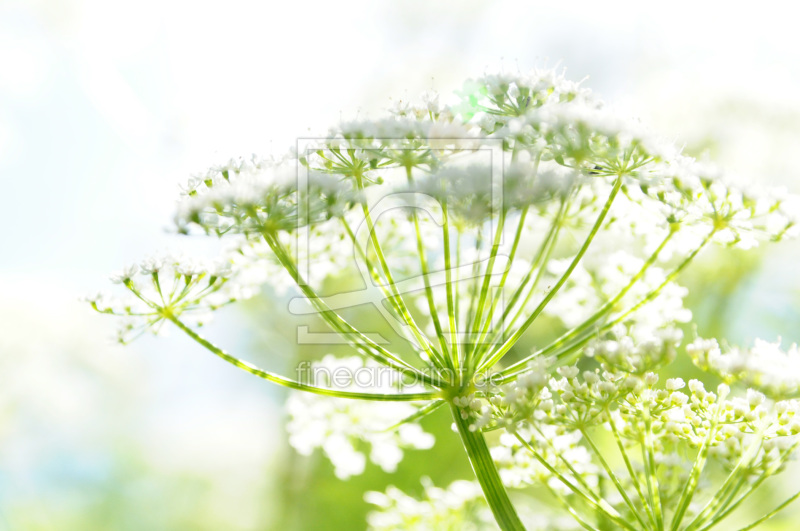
<point x="764" y="366"/>
<point x="459" y="506"/>
<point x="525" y="206"/>
<point x="165" y="287"/>
<point x="553" y="428"/>
<point x="343" y="428"/>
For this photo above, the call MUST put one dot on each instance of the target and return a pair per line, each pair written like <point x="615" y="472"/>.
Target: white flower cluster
<point x="552" y="424"/>
<point x="566" y="154"/>
<point x="764" y="366"/>
<point x="560" y="121"/>
<point x="558" y="449"/>
<point x="635" y="349"/>
<point x="576" y="215"/>
<point x="603" y="277"/>
<point x="566" y="149"/>
<point x="735" y="217"/>
<point x="167" y="286"/>
<point x="459" y="506"/>
<point x="346" y="429"/>
<point x="260" y="196"/>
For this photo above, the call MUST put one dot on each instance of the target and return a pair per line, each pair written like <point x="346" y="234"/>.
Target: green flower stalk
<point x="523" y="210"/>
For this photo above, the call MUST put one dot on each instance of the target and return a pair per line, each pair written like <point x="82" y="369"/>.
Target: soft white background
<point x="105" y="107"/>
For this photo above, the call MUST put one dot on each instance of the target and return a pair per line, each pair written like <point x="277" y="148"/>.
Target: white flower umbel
<point x="164" y="286"/>
<point x="459" y="506"/>
<point x="764" y="366"/>
<point x="555" y="428"/>
<point x="468" y="223"/>
<point x="346" y="429"/>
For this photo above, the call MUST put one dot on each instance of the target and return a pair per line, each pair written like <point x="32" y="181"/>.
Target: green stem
<point x="480" y="346"/>
<point x="613" y="478"/>
<point x="722" y="508"/>
<point x="475" y="326"/>
<point x="496" y="356"/>
<point x="675" y="272"/>
<point x="648" y="456"/>
<point x="458" y="272"/>
<point x="512" y="372"/>
<point x="579" y="479"/>
<point x="423" y="262"/>
<point x="487" y="474"/>
<point x="475" y="278"/>
<point x="729" y="505"/>
<point x="423" y="341"/>
<point x="772" y="513"/>
<point x="451" y="313"/>
<point x="375" y="275"/>
<point x="418" y="414"/>
<point x="539" y="265"/>
<point x="292" y="384"/>
<point x="570" y="509"/>
<point x="606" y="308"/>
<point x="340" y="325"/>
<point x="600" y="505"/>
<point x="699" y="463"/>
<point x="629" y="466"/>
